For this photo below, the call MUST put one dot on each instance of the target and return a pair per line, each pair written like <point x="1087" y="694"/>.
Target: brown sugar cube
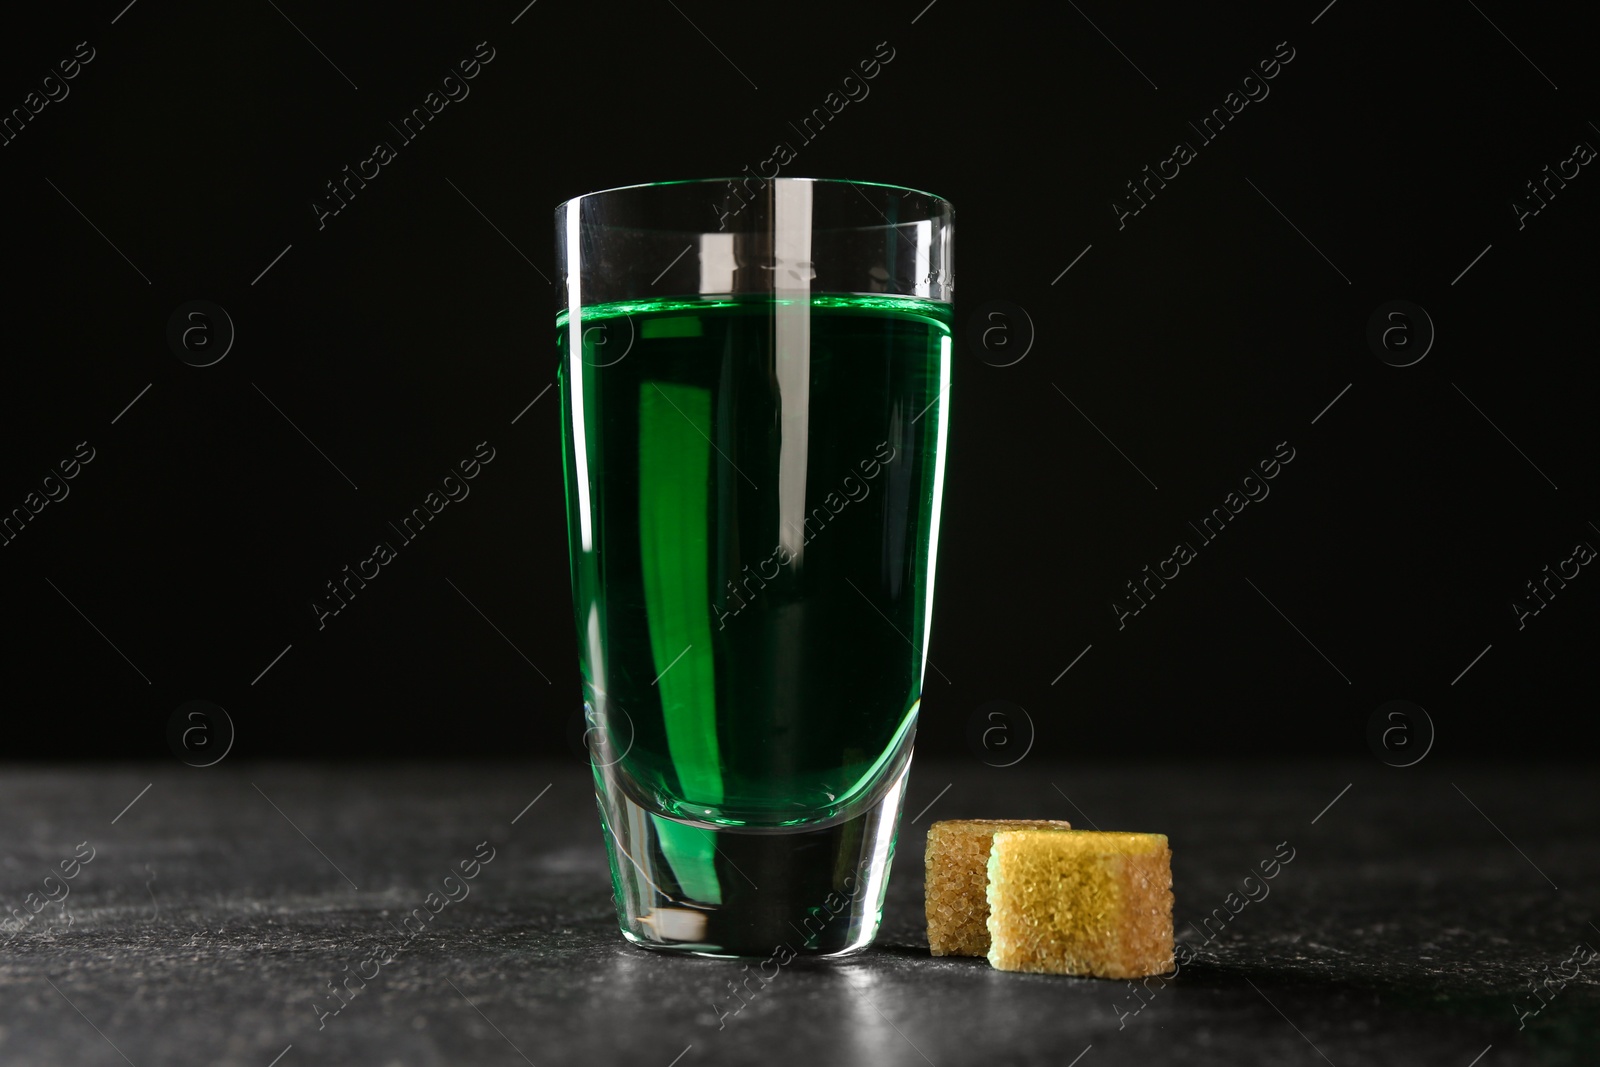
<point x="1083" y="902"/>
<point x="957" y="875"/>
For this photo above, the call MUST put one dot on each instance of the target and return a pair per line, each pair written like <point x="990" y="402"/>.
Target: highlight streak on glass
<point x="791" y="330"/>
<point x="575" y="376"/>
<point x="938" y="500"/>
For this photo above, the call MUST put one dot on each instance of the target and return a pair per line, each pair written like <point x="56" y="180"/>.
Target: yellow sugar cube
<point x="1082" y="902"/>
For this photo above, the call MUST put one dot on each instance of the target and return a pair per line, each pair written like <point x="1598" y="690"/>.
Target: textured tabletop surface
<point x="1429" y="915"/>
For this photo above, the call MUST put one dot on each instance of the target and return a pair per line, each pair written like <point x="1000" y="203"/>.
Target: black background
<point x="1196" y="337"/>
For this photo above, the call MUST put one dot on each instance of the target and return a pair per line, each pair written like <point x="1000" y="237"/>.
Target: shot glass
<point x="755" y="384"/>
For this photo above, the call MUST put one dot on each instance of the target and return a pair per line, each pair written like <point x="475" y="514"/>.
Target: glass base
<point x="737" y="891"/>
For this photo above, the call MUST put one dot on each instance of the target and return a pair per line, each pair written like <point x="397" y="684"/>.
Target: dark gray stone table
<point x="1419" y="906"/>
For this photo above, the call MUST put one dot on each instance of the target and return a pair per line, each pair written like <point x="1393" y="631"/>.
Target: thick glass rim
<point x="745" y="177"/>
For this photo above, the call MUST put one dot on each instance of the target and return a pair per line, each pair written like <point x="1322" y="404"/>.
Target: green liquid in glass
<point x="753" y="577"/>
